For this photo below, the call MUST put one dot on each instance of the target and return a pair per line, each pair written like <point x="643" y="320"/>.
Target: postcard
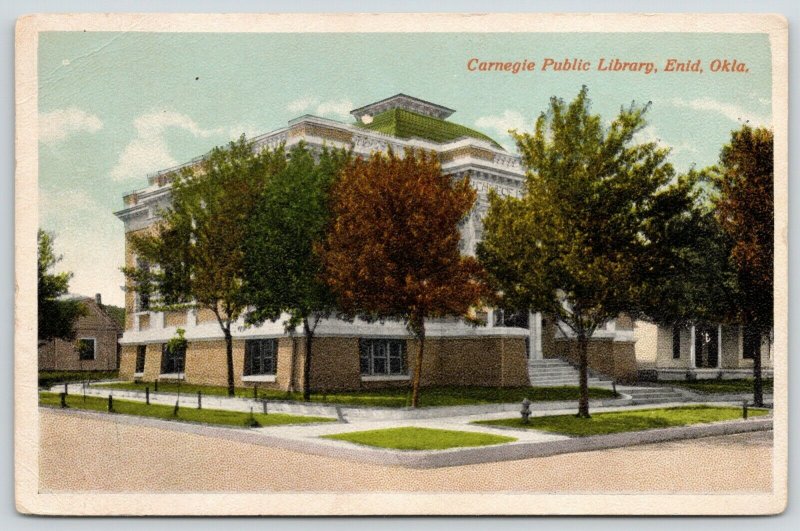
<point x="401" y="264"/>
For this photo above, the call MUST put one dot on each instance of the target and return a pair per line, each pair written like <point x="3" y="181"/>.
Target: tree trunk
<point x="419" y="332"/>
<point x="752" y="345"/>
<point x="309" y="333"/>
<point x="292" y="368"/>
<point x="229" y="359"/>
<point x="583" y="369"/>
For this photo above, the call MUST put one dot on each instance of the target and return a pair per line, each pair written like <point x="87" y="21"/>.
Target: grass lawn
<point x="207" y="416"/>
<point x="420" y="438"/>
<point x="393" y="397"/>
<point x="622" y="421"/>
<point x="51" y="378"/>
<point x="743" y="385"/>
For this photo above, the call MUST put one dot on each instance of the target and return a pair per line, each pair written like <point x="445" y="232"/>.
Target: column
<point x="719" y="346"/>
<point x="535" y="320"/>
<point x="692" y="362"/>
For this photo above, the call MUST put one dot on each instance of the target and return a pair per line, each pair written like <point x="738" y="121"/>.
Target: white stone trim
<point x="259" y="378"/>
<point x="386" y="378"/>
<point x="138" y="375"/>
<point x="172" y="376"/>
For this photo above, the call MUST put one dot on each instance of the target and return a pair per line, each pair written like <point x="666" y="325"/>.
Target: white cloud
<point x="310" y="105"/>
<point x="149" y="152"/>
<point x="503" y="123"/>
<point x="90" y="239"/>
<point x="55" y="126"/>
<point x="732" y="112"/>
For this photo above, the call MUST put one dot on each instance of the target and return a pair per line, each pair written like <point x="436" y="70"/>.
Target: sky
<point x="115" y="106"/>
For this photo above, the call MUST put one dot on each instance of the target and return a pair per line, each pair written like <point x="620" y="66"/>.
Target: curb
<point x="442" y="458"/>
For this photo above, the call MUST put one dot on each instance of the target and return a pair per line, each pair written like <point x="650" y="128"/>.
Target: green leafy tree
<point x="688" y="279"/>
<point x="195" y="255"/>
<point x="56" y="317"/>
<point x="392" y="251"/>
<point x="745" y="210"/>
<point x="591" y="228"/>
<point x="282" y="270"/>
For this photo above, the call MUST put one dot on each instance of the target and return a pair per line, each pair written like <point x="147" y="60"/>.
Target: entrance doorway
<point x="706" y="346"/>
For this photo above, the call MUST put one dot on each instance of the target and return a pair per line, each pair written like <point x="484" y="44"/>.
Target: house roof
<point x="407" y="124"/>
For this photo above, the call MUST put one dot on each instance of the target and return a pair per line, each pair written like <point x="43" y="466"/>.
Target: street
<point x="80" y="453"/>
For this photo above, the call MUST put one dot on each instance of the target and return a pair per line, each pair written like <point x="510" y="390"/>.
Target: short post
<point x="255" y="392"/>
<point x="264" y="404"/>
<point x="199" y="400"/>
<point x="614" y="386"/>
<point x="526" y="410"/>
<point x="66" y="388"/>
<point x="177" y="406"/>
<point x="63" y="399"/>
<point x="155" y="383"/>
<point x="744" y="409"/>
<point x="110" y="403"/>
<point x="147" y="395"/>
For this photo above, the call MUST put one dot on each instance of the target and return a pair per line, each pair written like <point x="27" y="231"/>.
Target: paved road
<point x="79" y="453"/>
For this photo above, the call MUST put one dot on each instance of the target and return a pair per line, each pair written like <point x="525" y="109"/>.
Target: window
<point x="510" y="318"/>
<point x="86" y="348"/>
<point x="676" y="342"/>
<point x="141" y="352"/>
<point x="260" y="356"/>
<point x="172" y="360"/>
<point x="383" y="357"/>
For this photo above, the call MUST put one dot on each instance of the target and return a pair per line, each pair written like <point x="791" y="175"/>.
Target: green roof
<point x="406" y="124"/>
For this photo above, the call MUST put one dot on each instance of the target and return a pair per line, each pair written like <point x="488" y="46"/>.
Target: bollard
<point x="744" y="409"/>
<point x="614" y="387"/>
<point x="63" y="399"/>
<point x="255" y="392"/>
<point x="175" y="411"/>
<point x="110" y="403"/>
<point x="156" y="386"/>
<point x="199" y="400"/>
<point x="264" y="405"/>
<point x="147" y="395"/>
<point x="526" y="410"/>
<point x="66" y="388"/>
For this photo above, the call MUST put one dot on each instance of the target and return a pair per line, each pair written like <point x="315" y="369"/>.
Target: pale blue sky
<point x="117" y="105"/>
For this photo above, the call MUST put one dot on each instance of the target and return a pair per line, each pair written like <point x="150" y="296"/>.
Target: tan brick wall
<point x="175" y="318"/>
<point x="204" y="315"/>
<point x="206" y="362"/>
<point x="127" y="362"/>
<point x="616" y="359"/>
<point x="334" y="364"/>
<point x="152" y="362"/>
<point x="130" y="296"/>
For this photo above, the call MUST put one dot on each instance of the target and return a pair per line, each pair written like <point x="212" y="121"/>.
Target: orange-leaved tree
<point x="392" y="251"/>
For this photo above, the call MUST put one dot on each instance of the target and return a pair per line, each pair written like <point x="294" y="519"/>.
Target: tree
<point x="393" y="249"/>
<point x="282" y="272"/>
<point x="591" y="228"/>
<point x="745" y="210"/>
<point x="57" y="317"/>
<point x="195" y="254"/>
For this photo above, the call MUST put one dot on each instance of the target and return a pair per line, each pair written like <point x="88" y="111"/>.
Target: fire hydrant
<point x="526" y="410"/>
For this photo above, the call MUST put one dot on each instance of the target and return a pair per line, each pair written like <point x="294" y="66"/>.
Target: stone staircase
<point x="556" y="372"/>
<point x="653" y="395"/>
